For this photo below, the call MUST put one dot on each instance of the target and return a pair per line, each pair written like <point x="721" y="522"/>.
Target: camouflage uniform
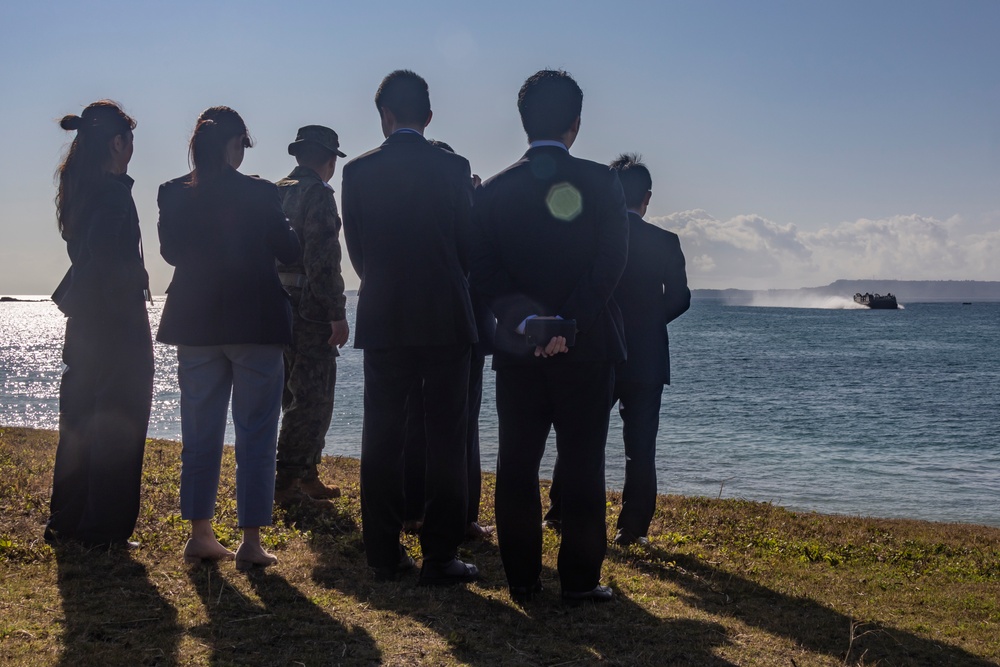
<point x="316" y="288"/>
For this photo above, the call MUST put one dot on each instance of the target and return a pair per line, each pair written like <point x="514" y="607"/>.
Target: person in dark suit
<point x="653" y="292"/>
<point x="552" y="240"/>
<point x="416" y="439"/>
<point x="106" y="389"/>
<point x="229" y="317"/>
<point x="406" y="208"/>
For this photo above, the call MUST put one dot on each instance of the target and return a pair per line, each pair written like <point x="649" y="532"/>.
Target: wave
<point x="805" y="300"/>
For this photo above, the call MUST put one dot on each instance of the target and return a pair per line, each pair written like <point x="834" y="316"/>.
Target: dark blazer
<point x="652" y="292"/>
<point x="486" y="324"/>
<point x="223" y="238"/>
<point x="107" y="277"/>
<point x="552" y="239"/>
<point x="406" y="208"/>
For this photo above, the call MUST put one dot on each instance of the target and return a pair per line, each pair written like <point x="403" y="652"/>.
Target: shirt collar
<point x="408" y="130"/>
<point x="125" y="179"/>
<point x="548" y="142"/>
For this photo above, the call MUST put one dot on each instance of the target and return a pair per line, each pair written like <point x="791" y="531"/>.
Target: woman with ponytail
<point x="106" y="388"/>
<point x="229" y="317"/>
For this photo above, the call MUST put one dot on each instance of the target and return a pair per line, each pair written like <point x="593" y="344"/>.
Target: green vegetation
<point x="724" y="582"/>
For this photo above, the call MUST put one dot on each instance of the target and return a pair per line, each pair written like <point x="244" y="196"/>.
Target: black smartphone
<point x="539" y="331"/>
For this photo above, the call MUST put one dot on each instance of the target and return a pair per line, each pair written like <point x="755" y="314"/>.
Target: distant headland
<point x="911" y="291"/>
<point x="907" y="291"/>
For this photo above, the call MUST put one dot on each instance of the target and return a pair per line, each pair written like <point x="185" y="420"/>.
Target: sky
<point x="791" y="143"/>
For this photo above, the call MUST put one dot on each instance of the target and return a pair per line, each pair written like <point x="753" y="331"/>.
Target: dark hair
<point x="437" y="143"/>
<point x="549" y="102"/>
<point x="312" y="155"/>
<point x="88" y="157"/>
<point x="207" y="150"/>
<point x="635" y="178"/>
<point x="405" y="94"/>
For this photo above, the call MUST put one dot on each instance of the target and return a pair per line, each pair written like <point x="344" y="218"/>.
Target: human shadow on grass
<point x="482" y="626"/>
<point x="806" y="622"/>
<point x="283" y="628"/>
<point x="114" y="615"/>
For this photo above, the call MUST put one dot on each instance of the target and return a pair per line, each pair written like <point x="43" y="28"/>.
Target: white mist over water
<point x="804" y="300"/>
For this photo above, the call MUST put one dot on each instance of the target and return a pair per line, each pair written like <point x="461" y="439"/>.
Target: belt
<point x="292" y="279"/>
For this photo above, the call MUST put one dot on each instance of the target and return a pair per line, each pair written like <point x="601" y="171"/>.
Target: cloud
<point x="752" y="252"/>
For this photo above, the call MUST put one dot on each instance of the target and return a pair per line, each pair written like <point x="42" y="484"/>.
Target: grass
<point x="724" y="582"/>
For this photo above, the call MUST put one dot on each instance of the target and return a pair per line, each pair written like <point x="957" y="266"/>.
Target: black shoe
<point x="450" y="572"/>
<point x="553" y="524"/>
<point x="625" y="537"/>
<point x="597" y="594"/>
<point x="524" y="594"/>
<point x="394" y="572"/>
<point x="110" y="545"/>
<point x="473" y="531"/>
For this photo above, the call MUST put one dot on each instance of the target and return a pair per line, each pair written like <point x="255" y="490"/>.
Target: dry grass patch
<point x="724" y="582"/>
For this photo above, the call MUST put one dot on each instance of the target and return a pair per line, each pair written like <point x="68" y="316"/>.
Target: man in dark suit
<point x="407" y="208"/>
<point x="652" y="292"/>
<point x="552" y="240"/>
<point x="416" y="439"/>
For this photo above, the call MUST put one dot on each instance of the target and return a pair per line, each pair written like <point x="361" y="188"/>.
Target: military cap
<point x="316" y="134"/>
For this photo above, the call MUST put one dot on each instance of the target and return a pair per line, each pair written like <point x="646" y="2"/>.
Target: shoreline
<point x="610" y="490"/>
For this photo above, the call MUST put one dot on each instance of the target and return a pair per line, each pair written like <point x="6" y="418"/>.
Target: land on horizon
<point x="905" y="290"/>
<point x="724" y="582"/>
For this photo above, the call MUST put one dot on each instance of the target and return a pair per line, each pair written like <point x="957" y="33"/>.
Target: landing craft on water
<point x="877" y="301"/>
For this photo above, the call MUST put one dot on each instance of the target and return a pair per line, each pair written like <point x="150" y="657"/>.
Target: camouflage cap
<point x="316" y="134"/>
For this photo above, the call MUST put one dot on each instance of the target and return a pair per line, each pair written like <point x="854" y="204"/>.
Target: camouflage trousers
<point x="307" y="401"/>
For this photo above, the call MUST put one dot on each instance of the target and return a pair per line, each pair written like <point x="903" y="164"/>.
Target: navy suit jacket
<point x="223" y="238"/>
<point x="652" y="292"/>
<point x="406" y="208"/>
<point x="552" y="239"/>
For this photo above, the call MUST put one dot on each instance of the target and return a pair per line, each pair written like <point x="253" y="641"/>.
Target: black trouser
<point x="390" y="375"/>
<point x="416" y="445"/>
<point x="639" y="407"/>
<point x="104" y="403"/>
<point x="575" y="399"/>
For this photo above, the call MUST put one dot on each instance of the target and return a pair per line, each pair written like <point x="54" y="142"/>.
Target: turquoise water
<point x="826" y="408"/>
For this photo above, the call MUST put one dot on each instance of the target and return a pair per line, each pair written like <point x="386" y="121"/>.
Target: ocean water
<point x="812" y="404"/>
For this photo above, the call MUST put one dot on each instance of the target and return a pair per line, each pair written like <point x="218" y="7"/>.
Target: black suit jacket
<point x="406" y="208"/>
<point x="107" y="277"/>
<point x="652" y="292"/>
<point x="552" y="239"/>
<point x="223" y="238"/>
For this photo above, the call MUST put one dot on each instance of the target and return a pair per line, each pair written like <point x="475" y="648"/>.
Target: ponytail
<point x="88" y="157"/>
<point x="216" y="126"/>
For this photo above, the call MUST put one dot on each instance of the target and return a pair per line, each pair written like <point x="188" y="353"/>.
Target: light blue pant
<point x="208" y="374"/>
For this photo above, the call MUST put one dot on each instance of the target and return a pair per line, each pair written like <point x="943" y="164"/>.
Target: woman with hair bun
<point x="229" y="317"/>
<point x="107" y="386"/>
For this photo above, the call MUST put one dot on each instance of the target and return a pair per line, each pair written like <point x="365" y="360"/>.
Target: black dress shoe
<point x="524" y="594"/>
<point x="394" y="572"/>
<point x="624" y="538"/>
<point x="597" y="594"/>
<point x="450" y="572"/>
<point x="553" y="524"/>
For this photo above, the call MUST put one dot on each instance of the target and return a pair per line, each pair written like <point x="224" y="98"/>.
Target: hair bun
<point x="70" y="122"/>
